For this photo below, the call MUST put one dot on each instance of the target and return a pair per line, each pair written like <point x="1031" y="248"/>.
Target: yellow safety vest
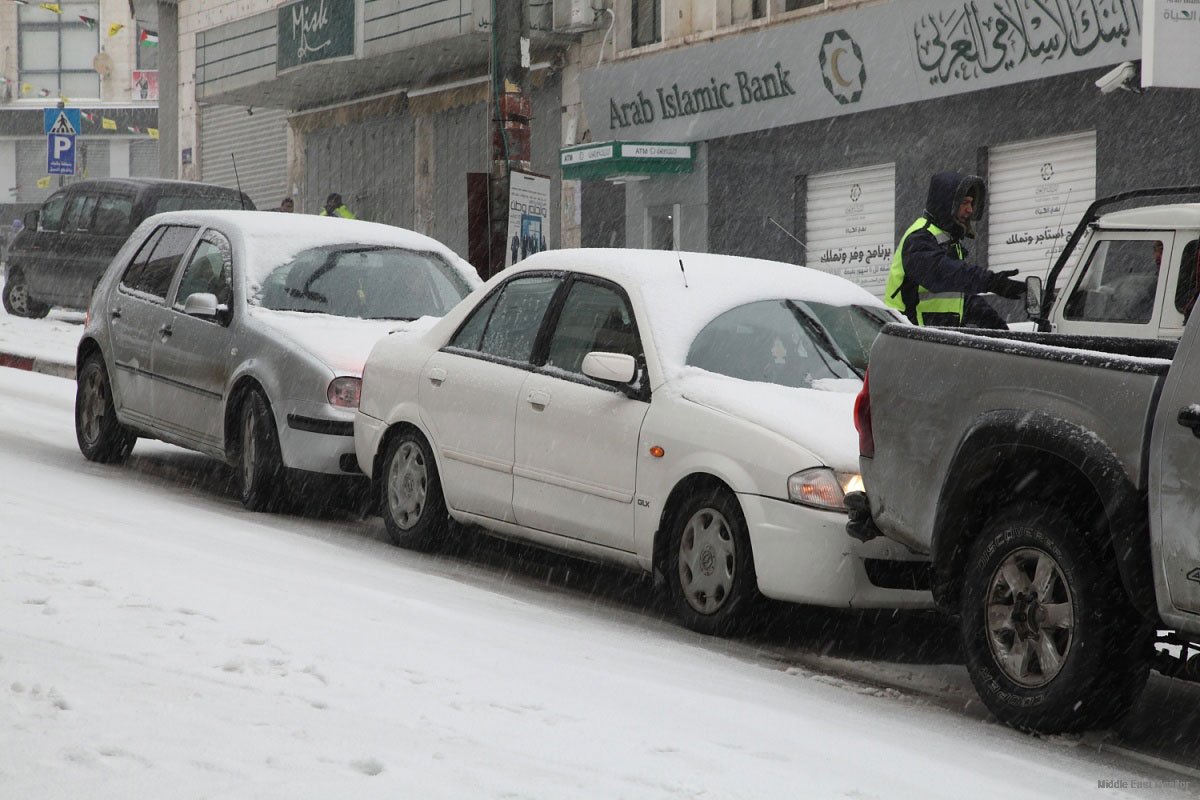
<point x="927" y="302"/>
<point x="341" y="211"/>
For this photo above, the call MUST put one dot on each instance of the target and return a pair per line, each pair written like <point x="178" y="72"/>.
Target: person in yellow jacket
<point x="334" y="207"/>
<point x="930" y="281"/>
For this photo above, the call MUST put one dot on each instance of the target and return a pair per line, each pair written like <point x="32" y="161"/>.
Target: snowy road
<point x="159" y="641"/>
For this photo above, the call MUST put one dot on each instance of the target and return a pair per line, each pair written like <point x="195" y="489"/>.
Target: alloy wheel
<point x="249" y="443"/>
<point x="1030" y="617"/>
<point x="407" y="484"/>
<point x="93" y="407"/>
<point x="706" y="560"/>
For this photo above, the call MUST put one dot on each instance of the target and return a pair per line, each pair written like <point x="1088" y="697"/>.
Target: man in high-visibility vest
<point x="334" y="207"/>
<point x="930" y="281"/>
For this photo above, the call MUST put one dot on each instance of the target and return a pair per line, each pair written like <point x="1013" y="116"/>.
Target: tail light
<point x="862" y="419"/>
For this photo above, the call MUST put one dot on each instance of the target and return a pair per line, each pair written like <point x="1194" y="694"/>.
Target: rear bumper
<point x="803" y="555"/>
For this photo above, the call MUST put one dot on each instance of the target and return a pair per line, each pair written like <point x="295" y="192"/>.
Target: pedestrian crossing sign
<point x="61" y="121"/>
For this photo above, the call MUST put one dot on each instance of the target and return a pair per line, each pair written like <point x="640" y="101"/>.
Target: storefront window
<point x="647" y="26"/>
<point x="57" y="50"/>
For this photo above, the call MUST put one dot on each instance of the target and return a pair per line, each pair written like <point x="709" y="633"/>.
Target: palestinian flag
<point x="89" y="21"/>
<point x="148" y="38"/>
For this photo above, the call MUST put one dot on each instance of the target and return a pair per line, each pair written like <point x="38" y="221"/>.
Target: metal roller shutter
<point x="1038" y="191"/>
<point x="259" y="143"/>
<point x="92" y="162"/>
<point x="143" y="158"/>
<point x="851" y="224"/>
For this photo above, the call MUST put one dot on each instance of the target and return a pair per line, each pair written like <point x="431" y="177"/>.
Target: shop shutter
<point x="1038" y="192"/>
<point x="143" y="158"/>
<point x="851" y="224"/>
<point x="92" y="161"/>
<point x="259" y="143"/>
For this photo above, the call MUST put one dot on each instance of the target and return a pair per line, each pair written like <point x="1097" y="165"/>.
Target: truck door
<point x="1117" y="290"/>
<point x="1175" y="480"/>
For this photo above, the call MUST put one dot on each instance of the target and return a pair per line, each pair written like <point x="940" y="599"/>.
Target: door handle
<point x="165" y="332"/>
<point x="437" y="375"/>
<point x="1189" y="417"/>
<point x="539" y="398"/>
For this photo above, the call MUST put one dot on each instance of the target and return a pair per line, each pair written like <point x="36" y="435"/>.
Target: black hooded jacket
<point x="937" y="266"/>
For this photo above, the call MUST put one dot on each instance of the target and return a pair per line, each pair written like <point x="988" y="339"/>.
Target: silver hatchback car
<point x="243" y="335"/>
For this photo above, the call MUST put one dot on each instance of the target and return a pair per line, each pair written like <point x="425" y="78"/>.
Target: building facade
<point x="96" y="57"/>
<point x="811" y="132"/>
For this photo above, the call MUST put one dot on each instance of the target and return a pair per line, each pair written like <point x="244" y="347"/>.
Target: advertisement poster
<point x="528" y="216"/>
<point x="145" y="84"/>
<point x="1169" y="53"/>
<point x="852" y="224"/>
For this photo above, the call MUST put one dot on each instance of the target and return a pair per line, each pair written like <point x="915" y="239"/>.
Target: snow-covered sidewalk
<point x="45" y="345"/>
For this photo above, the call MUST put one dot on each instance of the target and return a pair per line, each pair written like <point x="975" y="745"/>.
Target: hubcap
<point x="706" y="558"/>
<point x="407" y="483"/>
<point x="18" y="298"/>
<point x="91" y="412"/>
<point x="1030" y="617"/>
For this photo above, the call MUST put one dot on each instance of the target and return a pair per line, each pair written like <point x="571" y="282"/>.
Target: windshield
<point x="365" y="281"/>
<point x="788" y="342"/>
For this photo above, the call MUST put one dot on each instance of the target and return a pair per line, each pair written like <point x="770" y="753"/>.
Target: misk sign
<point x="1170" y="56"/>
<point x="315" y="30"/>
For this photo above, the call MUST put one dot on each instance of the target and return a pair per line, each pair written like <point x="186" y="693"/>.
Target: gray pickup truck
<point x="1054" y="482"/>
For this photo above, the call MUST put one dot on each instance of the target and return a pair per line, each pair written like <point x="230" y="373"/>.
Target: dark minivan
<point x="64" y="248"/>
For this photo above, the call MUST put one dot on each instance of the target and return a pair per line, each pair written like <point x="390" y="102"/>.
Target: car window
<point x="114" y="215"/>
<point x="79" y="213"/>
<point x="51" y="215"/>
<point x="507" y="327"/>
<point x="775" y="341"/>
<point x="152" y="273"/>
<point x="188" y="202"/>
<point x="1188" y="285"/>
<point x="210" y="269"/>
<point x="593" y="318"/>
<point x="1118" y="284"/>
<point x="138" y="263"/>
<point x="364" y="281"/>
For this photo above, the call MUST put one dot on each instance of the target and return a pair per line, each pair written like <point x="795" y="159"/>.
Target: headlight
<point x="345" y="392"/>
<point x="821" y="487"/>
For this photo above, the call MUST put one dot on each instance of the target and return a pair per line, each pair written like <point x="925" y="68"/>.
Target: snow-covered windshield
<point x="787" y="342"/>
<point x="365" y="281"/>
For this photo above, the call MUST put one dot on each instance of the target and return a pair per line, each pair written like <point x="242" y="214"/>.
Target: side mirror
<point x="201" y="304"/>
<point x="1033" y="296"/>
<point x="31" y="219"/>
<point x="610" y="367"/>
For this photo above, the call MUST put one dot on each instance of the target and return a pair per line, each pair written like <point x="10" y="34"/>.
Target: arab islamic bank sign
<point x="863" y="59"/>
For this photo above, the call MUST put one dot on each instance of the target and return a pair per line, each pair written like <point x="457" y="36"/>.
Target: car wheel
<point x="17" y="300"/>
<point x="260" y="463"/>
<point x="710" y="569"/>
<point x="101" y="437"/>
<point x="411" y="501"/>
<point x="1052" y="642"/>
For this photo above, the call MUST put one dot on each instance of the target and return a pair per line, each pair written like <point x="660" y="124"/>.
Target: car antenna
<point x="681" y="269"/>
<point x="241" y="195"/>
<point x="789" y="233"/>
<point x="1062" y="214"/>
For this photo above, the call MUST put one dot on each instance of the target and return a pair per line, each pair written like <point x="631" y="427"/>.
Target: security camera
<point x="1117" y="78"/>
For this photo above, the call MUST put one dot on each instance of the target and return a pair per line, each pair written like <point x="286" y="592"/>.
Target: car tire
<point x="16" y="297"/>
<point x="1051" y="640"/>
<point x="262" y="475"/>
<point x="101" y="437"/>
<point x="410" y="498"/>
<point x="710" y="567"/>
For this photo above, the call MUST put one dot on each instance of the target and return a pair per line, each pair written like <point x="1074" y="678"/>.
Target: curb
<point x="44" y="366"/>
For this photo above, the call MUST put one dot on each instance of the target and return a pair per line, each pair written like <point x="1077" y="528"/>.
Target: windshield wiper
<point x="396" y="319"/>
<point x="817" y="330"/>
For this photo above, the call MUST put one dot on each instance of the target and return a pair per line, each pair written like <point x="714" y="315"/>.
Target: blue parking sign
<point x="60" y="154"/>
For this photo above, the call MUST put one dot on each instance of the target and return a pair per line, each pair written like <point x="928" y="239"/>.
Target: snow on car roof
<point x="270" y="238"/>
<point x="681" y="302"/>
<point x="1169" y="216"/>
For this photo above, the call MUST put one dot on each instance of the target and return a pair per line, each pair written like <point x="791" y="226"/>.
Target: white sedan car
<point x="682" y="413"/>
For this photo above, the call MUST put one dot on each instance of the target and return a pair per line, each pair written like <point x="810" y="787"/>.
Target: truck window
<point x="113" y="215"/>
<point x="1188" y="285"/>
<point x="1118" y="284"/>
<point x="51" y="217"/>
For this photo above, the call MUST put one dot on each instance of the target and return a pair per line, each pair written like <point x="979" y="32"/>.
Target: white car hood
<point x="821" y="420"/>
<point x="343" y="343"/>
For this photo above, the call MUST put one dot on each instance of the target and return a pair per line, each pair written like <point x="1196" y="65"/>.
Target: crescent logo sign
<point x="842" y="67"/>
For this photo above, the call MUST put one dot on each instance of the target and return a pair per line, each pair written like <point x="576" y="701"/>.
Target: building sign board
<point x="1170" y="55"/>
<point x="611" y="159"/>
<point x="315" y="30"/>
<point x="855" y="60"/>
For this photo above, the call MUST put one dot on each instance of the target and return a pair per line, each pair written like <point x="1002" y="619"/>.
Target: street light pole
<point x="511" y="113"/>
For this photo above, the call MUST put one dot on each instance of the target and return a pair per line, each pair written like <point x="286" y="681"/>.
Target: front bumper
<point x="317" y="438"/>
<point x="803" y="555"/>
